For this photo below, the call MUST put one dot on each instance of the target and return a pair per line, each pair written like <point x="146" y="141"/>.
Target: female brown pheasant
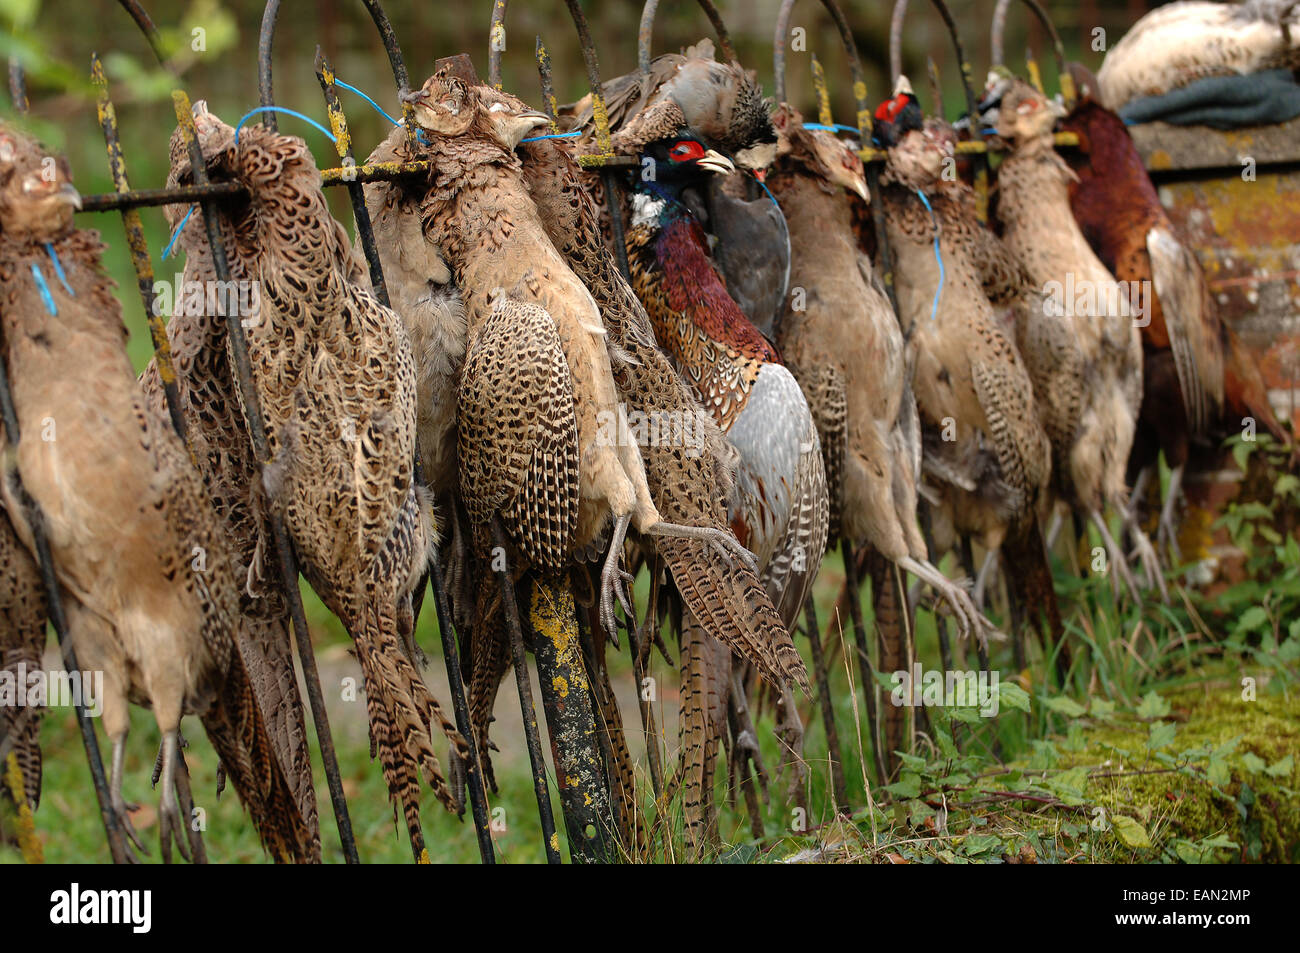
<point x="149" y="579"/>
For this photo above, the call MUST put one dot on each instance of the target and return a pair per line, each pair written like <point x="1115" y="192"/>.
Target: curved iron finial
<point x="266" y="39"/>
<point x="896" y="48"/>
<point x="1068" y="92"/>
<point x="646" y="33"/>
<point x="850" y="50"/>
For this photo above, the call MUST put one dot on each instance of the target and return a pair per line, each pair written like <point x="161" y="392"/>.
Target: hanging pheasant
<point x="222" y="448"/>
<point x="1194" y="367"/>
<point x="149" y="579"/>
<point x="533" y="444"/>
<point x="843" y="343"/>
<point x="1083" y="350"/>
<point x="779" y="508"/>
<point x="986" y="455"/>
<point x="335" y="378"/>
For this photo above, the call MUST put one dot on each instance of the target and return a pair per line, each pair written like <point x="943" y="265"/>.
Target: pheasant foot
<point x="171" y="827"/>
<point x="1167" y="530"/>
<point x="1118" y="562"/>
<point x="969" y="619"/>
<point x="158" y="760"/>
<point x="983" y="578"/>
<point x="724" y="542"/>
<point x="790" y="734"/>
<point x="745" y="753"/>
<point x="120" y="808"/>
<point x="613" y="582"/>
<point x="1150" y="562"/>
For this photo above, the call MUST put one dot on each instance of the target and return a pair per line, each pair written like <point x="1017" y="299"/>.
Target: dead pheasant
<point x="335" y="377"/>
<point x="1083" y="350"/>
<point x="986" y="456"/>
<point x="721" y="102"/>
<point x="149" y="578"/>
<point x="537" y="398"/>
<point x="725" y="607"/>
<point x="222" y="448"/>
<point x="1186" y="385"/>
<point x="844" y="345"/>
<point x="780" y="507"/>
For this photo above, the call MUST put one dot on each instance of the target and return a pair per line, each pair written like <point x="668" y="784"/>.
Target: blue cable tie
<point x="280" y="109"/>
<point x="177" y="234"/>
<point x="46" y="297"/>
<point x="58" y="269"/>
<point x="934" y="310"/>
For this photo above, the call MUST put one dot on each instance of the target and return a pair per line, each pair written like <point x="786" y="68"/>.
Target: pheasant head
<point x="37" y="199"/>
<point x="447" y="107"/>
<point x="820" y="153"/>
<point x="1026" y="115"/>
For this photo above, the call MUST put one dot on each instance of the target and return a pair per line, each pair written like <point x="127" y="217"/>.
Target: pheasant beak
<point x="414" y="96"/>
<point x="716" y="162"/>
<point x="68" y="193"/>
<point x="860" y="189"/>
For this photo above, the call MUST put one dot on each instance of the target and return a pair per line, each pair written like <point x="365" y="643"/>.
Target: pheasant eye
<point x="686" y="150"/>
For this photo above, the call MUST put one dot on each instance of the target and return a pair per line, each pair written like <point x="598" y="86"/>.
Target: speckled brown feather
<point x="22" y="643"/>
<point x="336" y="382"/>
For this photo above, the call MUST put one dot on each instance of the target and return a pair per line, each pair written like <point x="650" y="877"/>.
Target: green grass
<point x="1131" y="652"/>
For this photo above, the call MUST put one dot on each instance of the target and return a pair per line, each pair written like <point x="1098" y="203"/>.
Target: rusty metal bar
<point x="1065" y="80"/>
<point x="510" y="606"/>
<point x="549" y="102"/>
<point x="398" y="66"/>
<point x="190" y="194"/>
<point x="257" y="432"/>
<point x="853" y="586"/>
<point x="571" y="721"/>
<point x="18" y="86"/>
<point x="645" y="33"/>
<point x="496" y="42"/>
<point x="825" y="704"/>
<point x="936" y="86"/>
<point x="139" y="250"/>
<point x="824" y="114"/>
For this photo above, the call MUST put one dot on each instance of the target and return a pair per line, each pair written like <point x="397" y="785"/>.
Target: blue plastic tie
<point x="177" y="234"/>
<point x="58" y="269"/>
<point x="769" y="192"/>
<point x="835" y="127"/>
<point x="419" y="133"/>
<point x="46" y="297"/>
<point x="553" y="135"/>
<point x="279" y="109"/>
<point x="934" y="310"/>
<point x="378" y="108"/>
